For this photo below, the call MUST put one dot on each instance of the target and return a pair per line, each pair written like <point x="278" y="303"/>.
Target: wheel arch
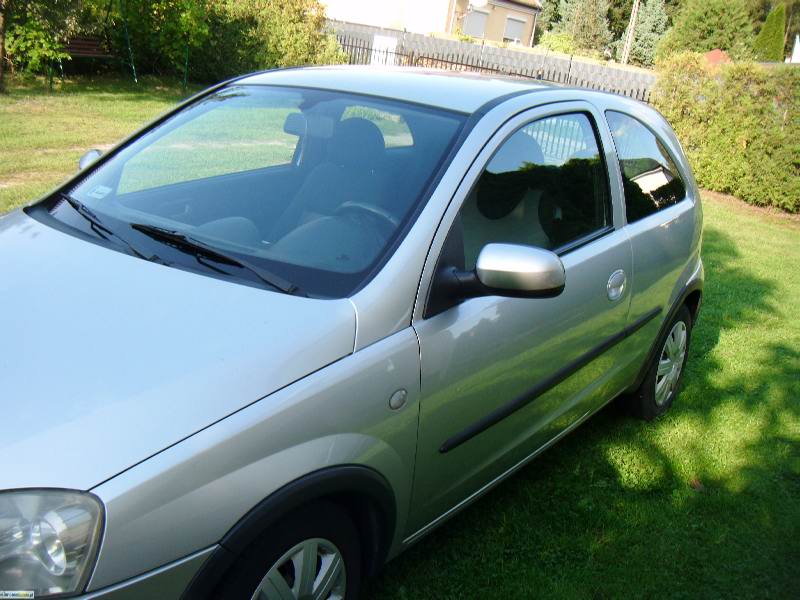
<point x="363" y="492"/>
<point x="691" y="297"/>
<point x="692" y="301"/>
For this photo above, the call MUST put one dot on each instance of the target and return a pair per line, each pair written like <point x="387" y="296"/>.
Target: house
<point x="511" y="21"/>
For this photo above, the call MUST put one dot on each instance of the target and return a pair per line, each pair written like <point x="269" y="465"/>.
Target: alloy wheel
<point x="670" y="363"/>
<point x="314" y="569"/>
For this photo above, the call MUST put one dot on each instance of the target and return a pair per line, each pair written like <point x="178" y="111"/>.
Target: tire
<point x="275" y="558"/>
<point x="661" y="386"/>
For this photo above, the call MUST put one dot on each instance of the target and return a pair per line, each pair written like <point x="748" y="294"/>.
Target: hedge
<point x="739" y="124"/>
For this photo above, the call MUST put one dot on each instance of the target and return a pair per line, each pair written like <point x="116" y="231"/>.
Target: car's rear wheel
<point x="665" y="374"/>
<point x="313" y="554"/>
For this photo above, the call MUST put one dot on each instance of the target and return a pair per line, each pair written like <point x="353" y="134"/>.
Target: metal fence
<point x="363" y="51"/>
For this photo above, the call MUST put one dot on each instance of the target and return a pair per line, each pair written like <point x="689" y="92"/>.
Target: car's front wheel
<point x="665" y="374"/>
<point x="312" y="554"/>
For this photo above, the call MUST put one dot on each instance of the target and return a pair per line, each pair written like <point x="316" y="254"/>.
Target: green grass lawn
<point x="42" y="135"/>
<point x="702" y="503"/>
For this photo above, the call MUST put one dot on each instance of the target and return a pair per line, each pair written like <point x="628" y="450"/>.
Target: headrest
<point x="319" y="126"/>
<point x="504" y="185"/>
<point x="357" y="142"/>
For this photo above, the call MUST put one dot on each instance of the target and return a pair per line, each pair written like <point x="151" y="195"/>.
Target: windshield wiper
<point x="102" y="229"/>
<point x="198" y="249"/>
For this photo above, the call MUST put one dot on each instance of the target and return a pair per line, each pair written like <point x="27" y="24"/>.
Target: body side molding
<point x="497" y="415"/>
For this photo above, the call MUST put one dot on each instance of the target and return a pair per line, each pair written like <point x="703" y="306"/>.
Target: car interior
<point x="334" y="206"/>
<point x="344" y="186"/>
<point x="527" y="197"/>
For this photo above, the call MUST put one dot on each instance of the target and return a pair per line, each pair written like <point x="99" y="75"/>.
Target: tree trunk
<point x="5" y="13"/>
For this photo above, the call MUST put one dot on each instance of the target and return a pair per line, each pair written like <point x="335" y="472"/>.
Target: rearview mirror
<point x="88" y="158"/>
<point x="515" y="270"/>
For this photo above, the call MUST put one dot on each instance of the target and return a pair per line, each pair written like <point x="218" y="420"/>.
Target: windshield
<point x="313" y="186"/>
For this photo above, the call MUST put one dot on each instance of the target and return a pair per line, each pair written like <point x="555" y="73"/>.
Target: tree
<point x="619" y="13"/>
<point x="650" y="28"/>
<point x="287" y="33"/>
<point x="769" y="42"/>
<point x="586" y="21"/>
<point x="703" y="25"/>
<point x="547" y="18"/>
<point x="37" y="31"/>
<point x="5" y="15"/>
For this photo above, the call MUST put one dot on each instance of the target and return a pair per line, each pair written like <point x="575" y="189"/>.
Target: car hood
<point x="106" y="359"/>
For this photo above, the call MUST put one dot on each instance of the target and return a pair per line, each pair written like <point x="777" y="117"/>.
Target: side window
<point x="393" y="127"/>
<point x="649" y="175"/>
<point x="546" y="186"/>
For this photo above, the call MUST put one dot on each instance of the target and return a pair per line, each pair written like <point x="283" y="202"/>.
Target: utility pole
<point x="626" y="49"/>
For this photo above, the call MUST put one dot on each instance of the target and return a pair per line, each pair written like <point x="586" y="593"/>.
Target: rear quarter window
<point x="650" y="177"/>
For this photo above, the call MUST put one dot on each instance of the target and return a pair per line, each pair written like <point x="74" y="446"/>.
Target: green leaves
<point x="38" y="31"/>
<point x="586" y="21"/>
<point x="650" y="27"/>
<point x="738" y="124"/>
<point x="703" y="25"/>
<point x="769" y="42"/>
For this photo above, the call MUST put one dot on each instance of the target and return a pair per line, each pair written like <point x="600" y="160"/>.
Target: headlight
<point x="48" y="542"/>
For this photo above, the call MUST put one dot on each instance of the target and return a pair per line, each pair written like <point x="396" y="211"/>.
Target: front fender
<point x="189" y="496"/>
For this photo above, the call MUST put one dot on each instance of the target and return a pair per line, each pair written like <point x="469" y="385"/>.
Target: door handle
<point x="616" y="285"/>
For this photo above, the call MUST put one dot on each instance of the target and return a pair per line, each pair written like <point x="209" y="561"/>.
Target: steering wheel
<point x="375" y="212"/>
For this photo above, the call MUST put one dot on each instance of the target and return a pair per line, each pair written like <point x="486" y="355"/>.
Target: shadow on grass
<point x="701" y="503"/>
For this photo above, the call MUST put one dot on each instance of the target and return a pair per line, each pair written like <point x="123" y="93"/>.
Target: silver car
<point x="273" y="339"/>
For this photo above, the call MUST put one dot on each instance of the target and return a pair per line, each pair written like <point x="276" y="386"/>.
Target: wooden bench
<point x="86" y="47"/>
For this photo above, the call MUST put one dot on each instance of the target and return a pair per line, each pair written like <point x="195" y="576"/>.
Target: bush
<point x="220" y="38"/>
<point x="703" y="25"/>
<point x="769" y="42"/>
<point x="738" y="124"/>
<point x="559" y="42"/>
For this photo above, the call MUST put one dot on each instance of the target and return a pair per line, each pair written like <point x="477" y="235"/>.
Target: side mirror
<point x="501" y="270"/>
<point x="88" y="158"/>
<point x="526" y="271"/>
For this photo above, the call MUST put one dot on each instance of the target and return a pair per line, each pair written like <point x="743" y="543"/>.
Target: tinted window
<point x="546" y="186"/>
<point x="295" y="182"/>
<point x="649" y="175"/>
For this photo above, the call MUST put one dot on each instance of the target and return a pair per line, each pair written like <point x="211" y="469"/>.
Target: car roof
<point x="461" y="91"/>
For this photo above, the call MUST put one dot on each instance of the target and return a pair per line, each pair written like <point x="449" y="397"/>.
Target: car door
<point x="502" y="377"/>
<point x="660" y="216"/>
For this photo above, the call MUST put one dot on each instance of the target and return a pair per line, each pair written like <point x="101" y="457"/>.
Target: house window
<point x="515" y="30"/>
<point x="474" y="23"/>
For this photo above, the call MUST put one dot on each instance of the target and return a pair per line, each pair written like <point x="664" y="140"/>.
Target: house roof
<point x="531" y="3"/>
<point x="717" y="56"/>
<point x="460" y="91"/>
